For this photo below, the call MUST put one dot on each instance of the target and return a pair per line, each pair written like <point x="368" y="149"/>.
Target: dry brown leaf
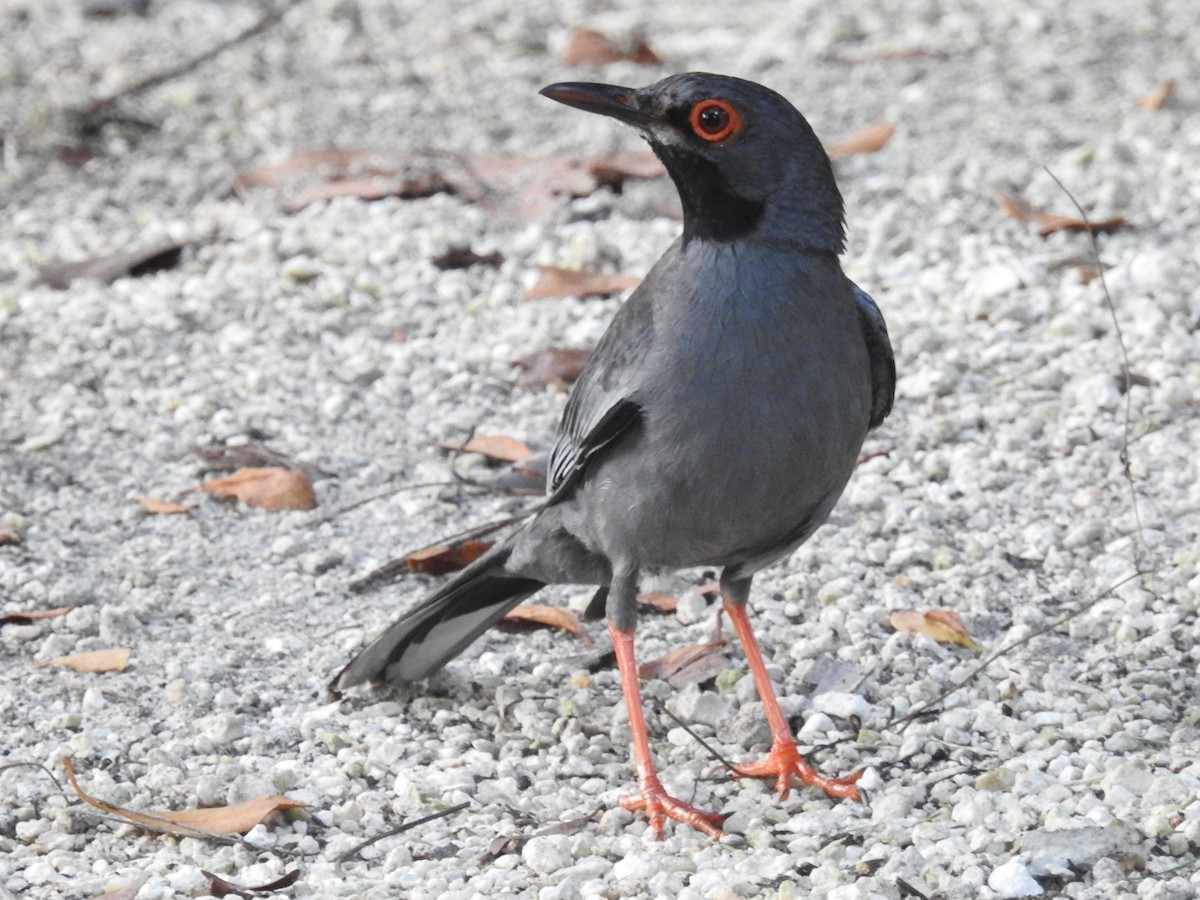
<point x="325" y="163"/>
<point x="211" y="822"/>
<point x="587" y="46"/>
<point x="496" y="447"/>
<point x="556" y="282"/>
<point x="220" y="887"/>
<point x="1049" y="223"/>
<point x="26" y="618"/>
<point x="268" y="488"/>
<point x="550" y="617"/>
<point x="1158" y="97"/>
<point x="617" y="168"/>
<point x="513" y="189"/>
<point x="59" y="274"/>
<point x="162" y="507"/>
<point x="870" y="139"/>
<point x="325" y="174"/>
<point x="236" y="819"/>
<point x="687" y="665"/>
<point x="93" y="662"/>
<point x="371" y="188"/>
<point x="554" y="365"/>
<point x="943" y="625"/>
<point x="516" y="189"/>
<point x="663" y="603"/>
<point x="446" y="558"/>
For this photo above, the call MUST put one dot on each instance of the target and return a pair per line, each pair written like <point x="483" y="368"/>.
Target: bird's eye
<point x="715" y="120"/>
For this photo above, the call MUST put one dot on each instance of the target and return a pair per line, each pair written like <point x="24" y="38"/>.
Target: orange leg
<point x="784" y="760"/>
<point x="651" y="795"/>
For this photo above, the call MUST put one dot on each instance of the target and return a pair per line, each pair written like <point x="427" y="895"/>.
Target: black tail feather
<point x="425" y="639"/>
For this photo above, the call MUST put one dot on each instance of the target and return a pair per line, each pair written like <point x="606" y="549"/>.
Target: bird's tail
<point x="439" y="629"/>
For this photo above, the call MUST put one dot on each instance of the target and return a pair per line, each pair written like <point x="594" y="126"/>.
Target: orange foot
<point x="658" y="805"/>
<point x="785" y="760"/>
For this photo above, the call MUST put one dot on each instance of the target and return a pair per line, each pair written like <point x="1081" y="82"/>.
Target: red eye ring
<point x="714" y="120"/>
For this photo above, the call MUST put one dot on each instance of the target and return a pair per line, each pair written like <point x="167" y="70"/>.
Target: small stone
<point x="548" y="853"/>
<point x="636" y="867"/>
<point x="704" y="707"/>
<point x="222" y="729"/>
<point x="998" y="779"/>
<point x="1013" y="880"/>
<point x="692" y="608"/>
<point x="994" y="281"/>
<point x="841" y="705"/>
<point x="320" y="561"/>
<point x="1083" y="534"/>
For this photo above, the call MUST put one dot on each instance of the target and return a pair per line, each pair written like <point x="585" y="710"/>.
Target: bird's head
<point x="744" y="160"/>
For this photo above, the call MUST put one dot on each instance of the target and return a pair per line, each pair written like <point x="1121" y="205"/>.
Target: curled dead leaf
<point x="220" y="887"/>
<point x="93" y="662"/>
<point x="270" y="488"/>
<point x="26" y="618"/>
<point x="870" y="139"/>
<point x="942" y="625"/>
<point x="445" y="558"/>
<point x="1158" y="97"/>
<point x="663" y="603"/>
<point x="587" y="46"/>
<point x="162" y="507"/>
<point x="211" y="822"/>
<point x="549" y="617"/>
<point x="1048" y="223"/>
<point x="496" y="447"/>
<point x="556" y="282"/>
<point x="59" y="274"/>
<point x="688" y="665"/>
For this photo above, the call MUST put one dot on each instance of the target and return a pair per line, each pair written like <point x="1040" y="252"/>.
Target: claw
<point x="659" y="806"/>
<point x="785" y="760"/>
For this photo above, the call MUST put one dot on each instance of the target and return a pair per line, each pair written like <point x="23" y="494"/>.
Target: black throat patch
<point x="711" y="210"/>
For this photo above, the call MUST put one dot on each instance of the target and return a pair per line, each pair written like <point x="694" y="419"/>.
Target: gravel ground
<point x="1066" y="765"/>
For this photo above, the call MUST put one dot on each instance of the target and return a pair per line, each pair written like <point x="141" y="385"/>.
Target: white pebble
<point x="1013" y="880"/>
<point x="548" y="853"/>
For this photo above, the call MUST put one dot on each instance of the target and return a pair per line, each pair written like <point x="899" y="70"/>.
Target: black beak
<point x="605" y="99"/>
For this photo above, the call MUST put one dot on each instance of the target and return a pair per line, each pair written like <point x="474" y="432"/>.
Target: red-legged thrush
<point x="716" y="423"/>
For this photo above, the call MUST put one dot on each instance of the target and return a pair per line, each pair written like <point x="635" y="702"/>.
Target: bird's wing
<point x="879" y="349"/>
<point x="604" y="405"/>
<point x="575" y="448"/>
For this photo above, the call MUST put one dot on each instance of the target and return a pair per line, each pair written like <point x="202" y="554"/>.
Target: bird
<point x="715" y="425"/>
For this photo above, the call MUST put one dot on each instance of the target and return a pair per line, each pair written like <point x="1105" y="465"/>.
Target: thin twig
<point x="390" y="571"/>
<point x="400" y="829"/>
<point x="1009" y="647"/>
<point x="36" y="765"/>
<point x="661" y="709"/>
<point x="391" y="492"/>
<point x="1141" y="549"/>
<point x="268" y="20"/>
